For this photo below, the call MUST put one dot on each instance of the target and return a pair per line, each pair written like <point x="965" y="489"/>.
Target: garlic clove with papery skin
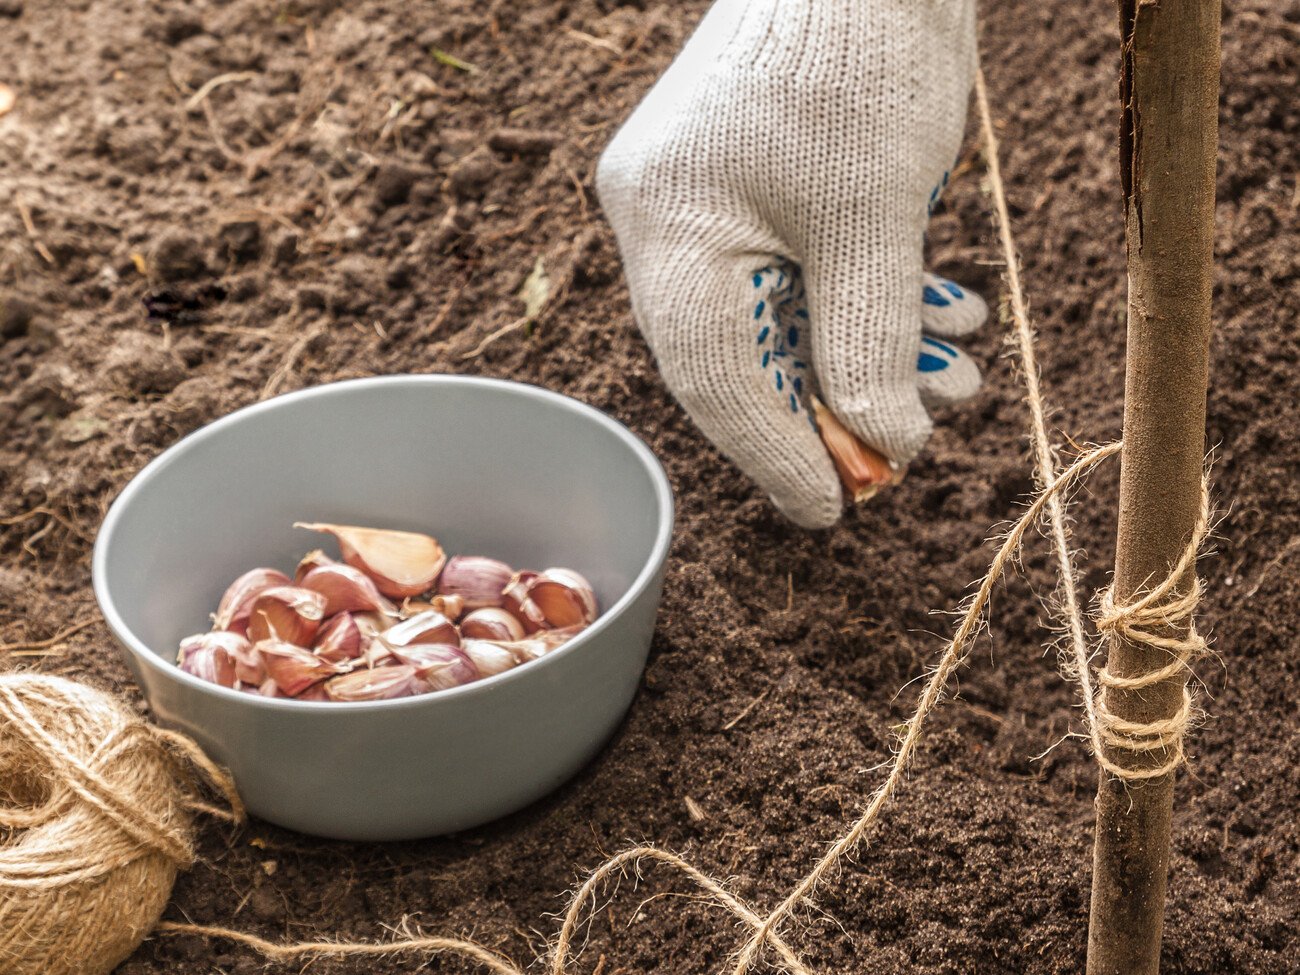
<point x="476" y="579"/>
<point x="863" y="470"/>
<point x="347" y="590"/>
<point x="292" y="668"/>
<point x="312" y="560"/>
<point x="489" y="656"/>
<point x="380" y="684"/>
<point x="519" y="602"/>
<point x="438" y="665"/>
<point x="491" y="623"/>
<point x="237" y="602"/>
<point x="209" y="659"/>
<point x="339" y="639"/>
<point x="400" y="563"/>
<point x="427" y="627"/>
<point x="288" y="613"/>
<point x="564" y="597"/>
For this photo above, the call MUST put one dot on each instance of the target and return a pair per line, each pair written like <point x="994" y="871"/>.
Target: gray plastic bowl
<point x="489" y="467"/>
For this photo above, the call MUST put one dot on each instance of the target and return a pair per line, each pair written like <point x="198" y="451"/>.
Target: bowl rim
<point x="644" y="579"/>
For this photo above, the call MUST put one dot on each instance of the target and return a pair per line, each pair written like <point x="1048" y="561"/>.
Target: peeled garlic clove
<point x="491" y="623"/>
<point x="288" y="613"/>
<point x="519" y="602"/>
<point x="862" y="469"/>
<point x="427" y="627"/>
<point x="235" y="606"/>
<point x="339" y="639"/>
<point x="564" y="597"/>
<point x="312" y="560"/>
<point x="208" y="659"/>
<point x="400" y="563"/>
<point x="438" y="665"/>
<point x="381" y="684"/>
<point x="489" y="657"/>
<point x="346" y="590"/>
<point x="316" y="692"/>
<point x="292" y="668"/>
<point x="479" y="581"/>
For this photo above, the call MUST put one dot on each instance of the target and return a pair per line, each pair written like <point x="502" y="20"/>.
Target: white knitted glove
<point x="799" y="142"/>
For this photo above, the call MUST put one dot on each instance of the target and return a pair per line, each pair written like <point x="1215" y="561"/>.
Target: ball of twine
<point x="96" y="817"/>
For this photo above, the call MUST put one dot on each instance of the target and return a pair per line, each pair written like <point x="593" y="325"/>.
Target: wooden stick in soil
<point x="1169" y="90"/>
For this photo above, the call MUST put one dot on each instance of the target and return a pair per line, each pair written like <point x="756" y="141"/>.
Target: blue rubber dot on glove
<point x="932" y="297"/>
<point x="763" y="333"/>
<point x="759" y="309"/>
<point x="780" y="382"/>
<point x="941" y="346"/>
<point x="767" y="357"/>
<point x="953" y="290"/>
<point x="930" y="363"/>
<point x="792" y="336"/>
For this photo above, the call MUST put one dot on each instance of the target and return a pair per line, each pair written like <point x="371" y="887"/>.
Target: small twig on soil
<point x="695" y="811"/>
<point x="592" y="41"/>
<point x="277" y="378"/>
<point x="40" y="648"/>
<point x="748" y="709"/>
<point x="24" y="211"/>
<point x="502" y="331"/>
<point x="213" y="84"/>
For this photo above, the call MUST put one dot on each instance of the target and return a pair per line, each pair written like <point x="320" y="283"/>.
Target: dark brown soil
<point x="338" y="208"/>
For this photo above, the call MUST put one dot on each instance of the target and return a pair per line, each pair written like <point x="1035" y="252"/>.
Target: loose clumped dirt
<point x="228" y="199"/>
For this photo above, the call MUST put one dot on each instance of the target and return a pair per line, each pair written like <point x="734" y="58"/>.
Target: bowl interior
<point x="488" y="467"/>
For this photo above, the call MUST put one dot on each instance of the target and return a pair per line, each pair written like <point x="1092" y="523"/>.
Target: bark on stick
<point x="1169" y="90"/>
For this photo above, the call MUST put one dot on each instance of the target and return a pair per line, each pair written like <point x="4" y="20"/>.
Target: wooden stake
<point x="1169" y="90"/>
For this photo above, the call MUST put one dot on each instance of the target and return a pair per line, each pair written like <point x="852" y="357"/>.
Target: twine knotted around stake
<point x="1149" y="619"/>
<point x="96" y="817"/>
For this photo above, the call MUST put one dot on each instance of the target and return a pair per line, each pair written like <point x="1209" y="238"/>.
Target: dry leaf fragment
<point x="536" y="291"/>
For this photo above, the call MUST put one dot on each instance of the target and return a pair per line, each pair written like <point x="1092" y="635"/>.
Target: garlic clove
<point x="478" y="580"/>
<point x="564" y="597"/>
<point x="492" y="623"/>
<point x="427" y="627"/>
<point x="247" y="662"/>
<point x="237" y="602"/>
<point x="554" y="639"/>
<point x="347" y="590"/>
<point x="438" y="665"/>
<point x="400" y="563"/>
<point x="517" y="599"/>
<point x="382" y="684"/>
<point x="268" y="688"/>
<point x="288" y="613"/>
<point x="316" y="692"/>
<point x="489" y="657"/>
<point x="862" y="469"/>
<point x="312" y="560"/>
<point x="339" y="639"/>
<point x="292" y="668"/>
<point x="209" y="659"/>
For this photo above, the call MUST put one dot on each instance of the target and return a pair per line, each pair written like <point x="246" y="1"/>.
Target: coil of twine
<point x="96" y="818"/>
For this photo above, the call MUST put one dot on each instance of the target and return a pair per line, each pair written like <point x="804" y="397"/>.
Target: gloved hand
<point x="770" y="197"/>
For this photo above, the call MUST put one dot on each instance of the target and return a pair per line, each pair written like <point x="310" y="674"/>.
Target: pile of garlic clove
<point x="395" y="618"/>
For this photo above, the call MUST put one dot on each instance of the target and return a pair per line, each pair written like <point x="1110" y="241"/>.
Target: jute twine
<point x="96" y="810"/>
<point x="140" y="824"/>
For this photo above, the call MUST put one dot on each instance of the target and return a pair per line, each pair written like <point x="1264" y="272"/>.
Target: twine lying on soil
<point x="96" y="816"/>
<point x="167" y="841"/>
